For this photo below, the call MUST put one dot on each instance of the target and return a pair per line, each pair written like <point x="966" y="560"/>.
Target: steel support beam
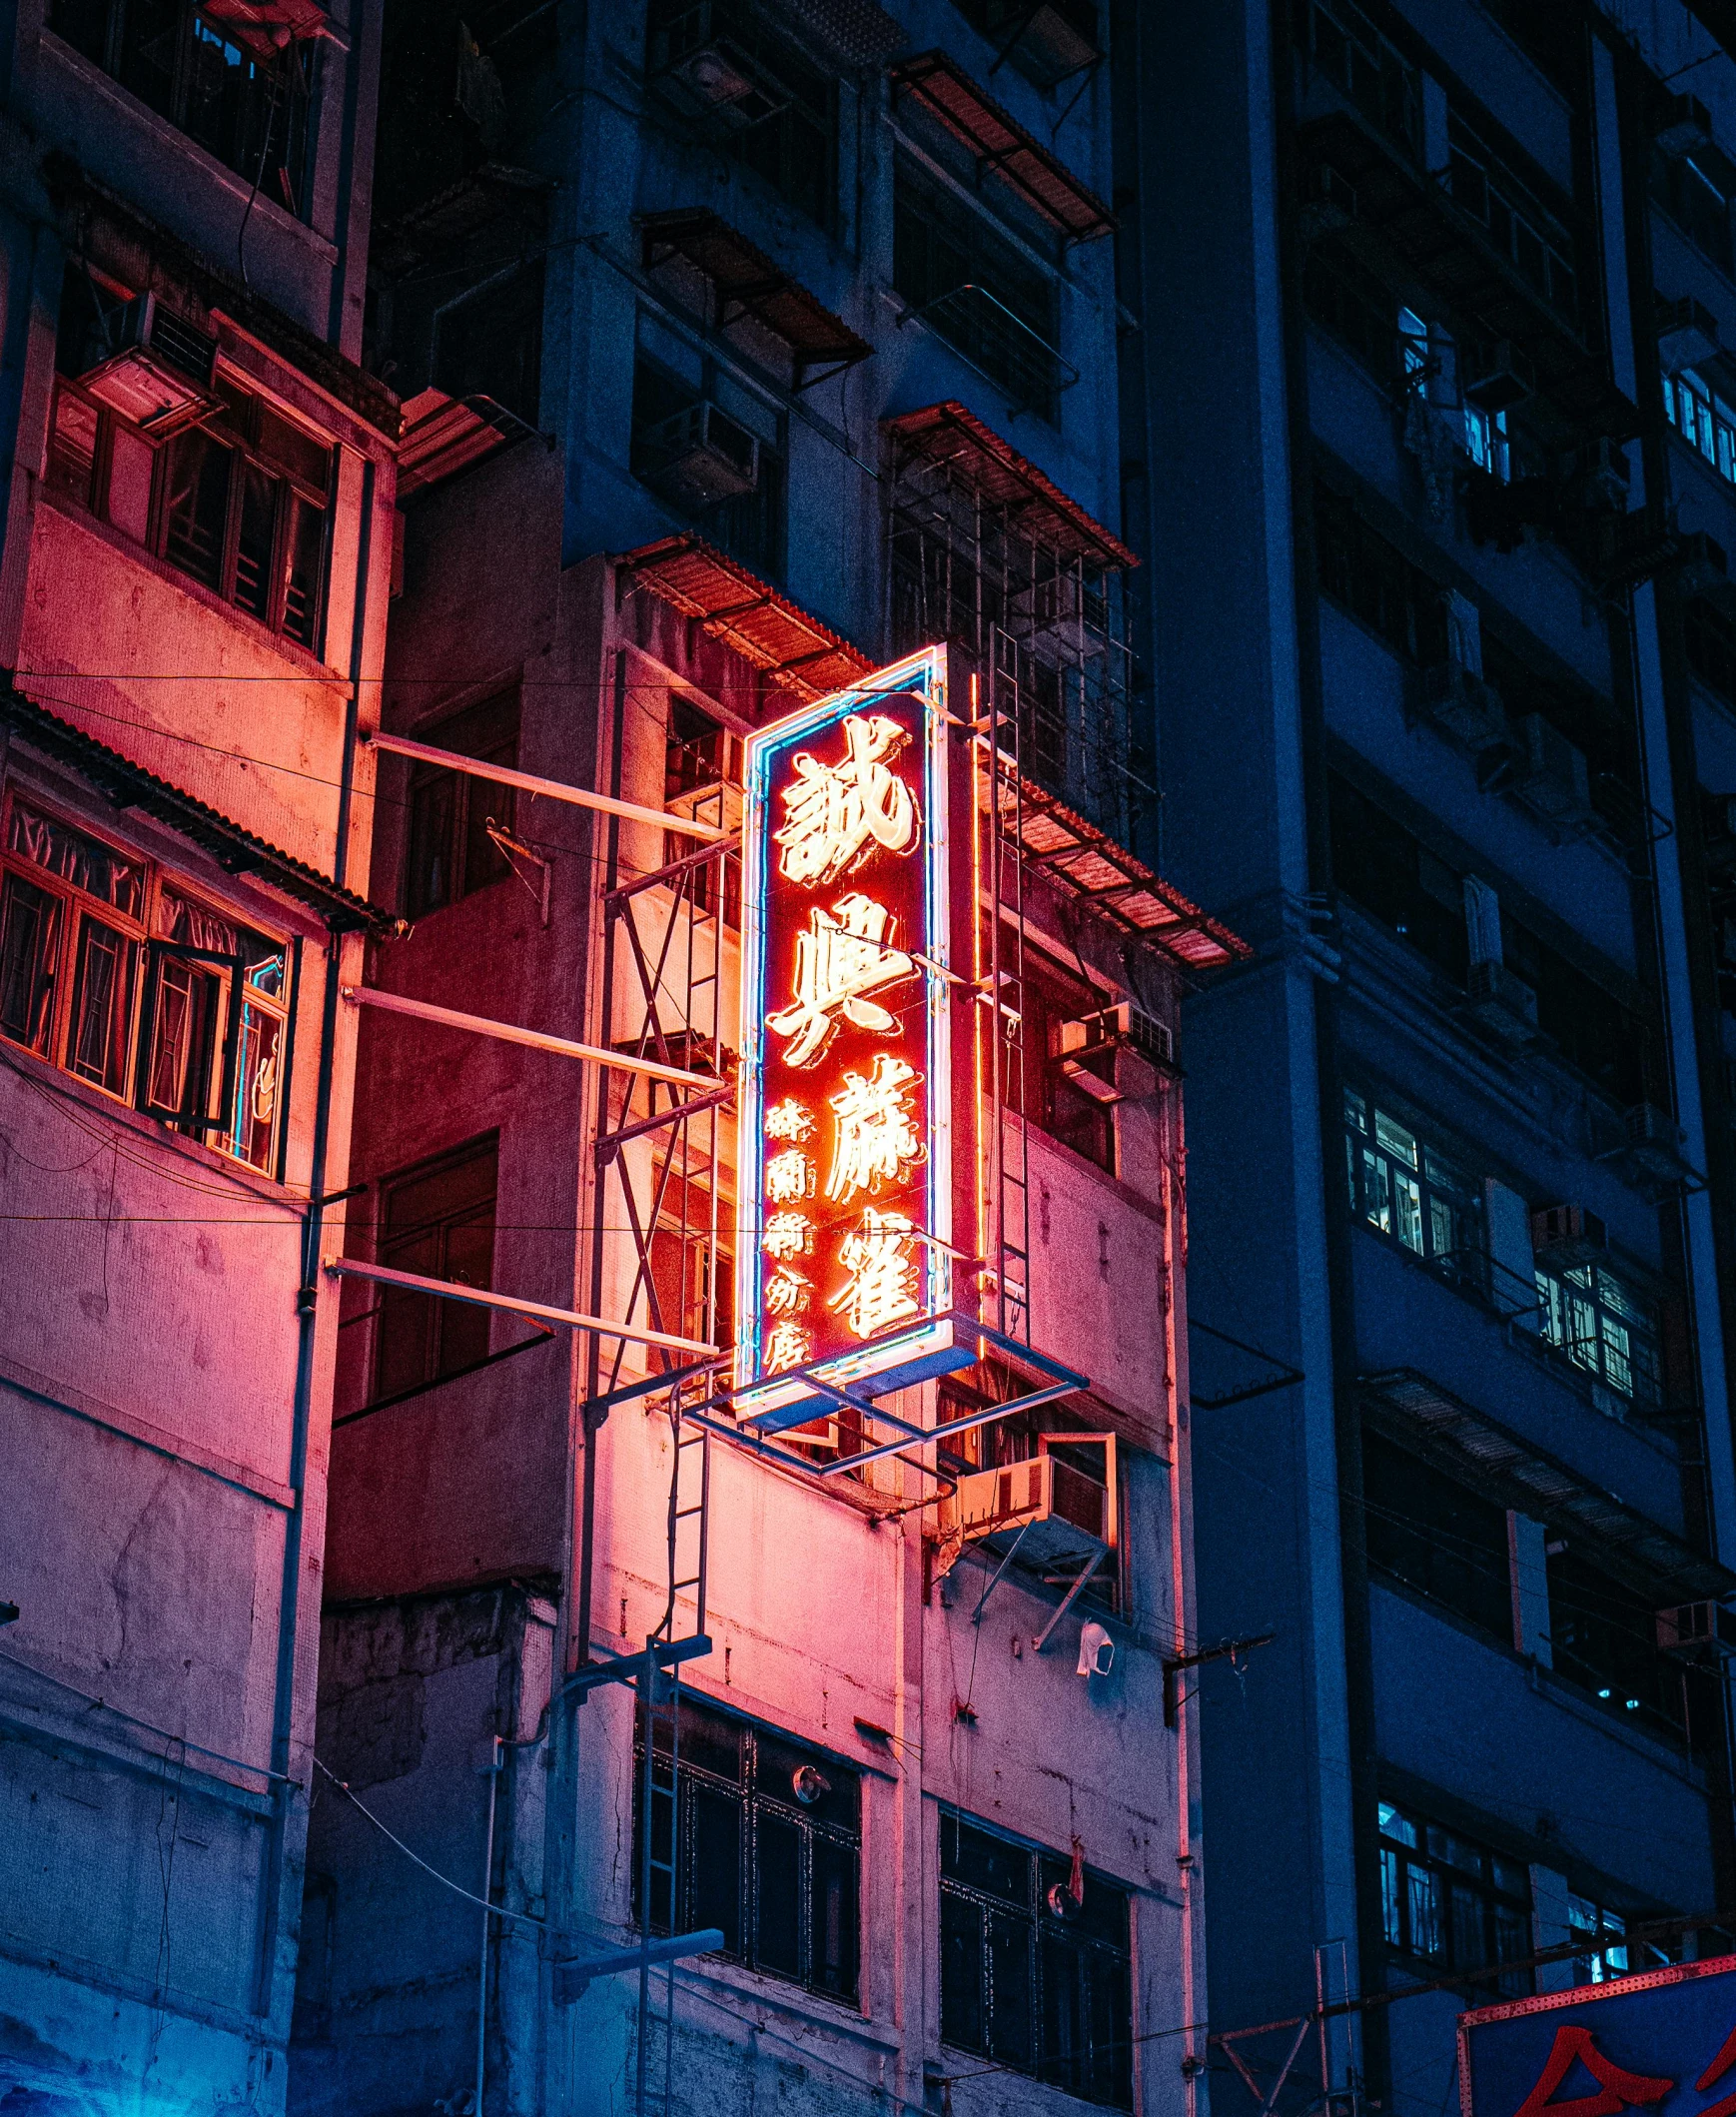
<point x="535" y="1039"/>
<point x="481" y="1297"/>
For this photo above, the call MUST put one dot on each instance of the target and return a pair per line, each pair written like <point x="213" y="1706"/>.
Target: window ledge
<point x="303" y="662"/>
<point x="804" y="2009"/>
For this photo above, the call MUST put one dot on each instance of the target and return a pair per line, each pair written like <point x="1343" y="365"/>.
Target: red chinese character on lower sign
<point x="1617" y="2088"/>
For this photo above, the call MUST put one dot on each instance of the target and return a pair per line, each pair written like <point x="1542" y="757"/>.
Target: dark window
<point x="1695" y="190"/>
<point x="1036" y="1085"/>
<point x="1711" y="646"/>
<point x="747" y="87"/>
<point x="451" y="853"/>
<point x="1604" y="1634"/>
<point x="1048" y="44"/>
<point x="707" y="464"/>
<point x="1346" y="299"/>
<point x="248" y="109"/>
<point x="438" y="1220"/>
<point x="1347" y="47"/>
<point x="1359" y="570"/>
<point x="1379" y="862"/>
<point x="694" y="1268"/>
<point x="1435" y="1536"/>
<point x="1591" y="1029"/>
<point x="768" y="1848"/>
<point x="1451" y="1906"/>
<point x="703" y="779"/>
<point x="1518" y="225"/>
<point x="489" y="344"/>
<point x="1034" y="1962"/>
<point x="991" y="306"/>
<point x="1405" y="1190"/>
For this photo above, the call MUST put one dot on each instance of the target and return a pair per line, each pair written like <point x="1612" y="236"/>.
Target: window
<point x="694" y="1267"/>
<point x="1086" y="1486"/>
<point x="703" y="779"/>
<point x="138" y="989"/>
<point x="1402" y="1189"/>
<point x="1034" y="1962"/>
<point x="753" y="93"/>
<point x="1048" y="44"/>
<point x="990" y="305"/>
<point x="1590" y="1028"/>
<point x="1436" y="1537"/>
<point x="1361" y="571"/>
<point x="1519" y="226"/>
<point x="1703" y="419"/>
<point x="1035" y="1084"/>
<point x="1711" y="640"/>
<point x="1597" y="1923"/>
<point x="1346" y="299"/>
<point x="768" y="1845"/>
<point x="438" y="1220"/>
<point x="1451" y="1906"/>
<point x="1379" y="862"/>
<point x="450" y="852"/>
<point x="238" y="504"/>
<point x="716" y="462"/>
<point x="1350" y="50"/>
<point x="250" y="112"/>
<point x="488" y="343"/>
<point x="1694" y="190"/>
<point x="1604" y="1634"/>
<point x="1605" y="1329"/>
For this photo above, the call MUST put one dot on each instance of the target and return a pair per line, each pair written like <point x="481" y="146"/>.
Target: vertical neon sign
<point x="845" y="1141"/>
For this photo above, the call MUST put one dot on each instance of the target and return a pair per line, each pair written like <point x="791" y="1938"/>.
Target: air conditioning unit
<point x="1687" y="335"/>
<point x="1703" y="569"/>
<point x="1061" y="608"/>
<point x="1697" y="1631"/>
<point x="1551" y="778"/>
<point x="1653" y="1144"/>
<point x="1684" y="127"/>
<point x="700" y="457"/>
<point x="1503" y="1006"/>
<point x="1565" y="1237"/>
<point x="1055" y="1511"/>
<point x="1498" y="377"/>
<point x="719" y="803"/>
<point x="711" y="76"/>
<point x="1117" y="1053"/>
<point x="157" y="370"/>
<point x="1465" y="707"/>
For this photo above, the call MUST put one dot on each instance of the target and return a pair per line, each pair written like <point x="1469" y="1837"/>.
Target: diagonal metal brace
<point x="999" y="1573"/>
<point x="1071" y="1596"/>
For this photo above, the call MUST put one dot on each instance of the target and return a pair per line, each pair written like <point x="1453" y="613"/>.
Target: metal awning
<point x="1003" y="146"/>
<point x="1119" y="888"/>
<point x="948" y="433"/>
<point x="1401" y="209"/>
<point x="236" y="850"/>
<point x="793" y="650"/>
<point x="263" y="27"/>
<point x="748" y="283"/>
<point x="1524" y="1477"/>
<point x="446" y="435"/>
<point x="432" y="231"/>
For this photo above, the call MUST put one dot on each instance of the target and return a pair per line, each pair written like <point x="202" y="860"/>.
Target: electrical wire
<point x="522" y="1918"/>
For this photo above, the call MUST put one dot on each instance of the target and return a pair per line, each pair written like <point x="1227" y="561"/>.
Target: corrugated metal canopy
<point x="445" y="436"/>
<point x="1002" y="144"/>
<point x="748" y="283"/>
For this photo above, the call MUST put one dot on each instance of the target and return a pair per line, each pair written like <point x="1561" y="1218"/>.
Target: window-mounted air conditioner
<point x="1565" y="1237"/>
<point x="1499" y="378"/>
<point x="1055" y="1511"/>
<point x="1687" y="335"/>
<point x="1117" y="1053"/>
<point x="717" y="803"/>
<point x="700" y="457"/>
<point x="1465" y="707"/>
<point x="1503" y="1006"/>
<point x="1061" y="608"/>
<point x="1697" y="1631"/>
<point x="1550" y="775"/>
<point x="715" y="78"/>
<point x="1654" y="1146"/>
<point x="1684" y="127"/>
<point x="156" y="368"/>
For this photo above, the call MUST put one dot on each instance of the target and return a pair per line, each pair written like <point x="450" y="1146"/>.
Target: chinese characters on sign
<point x="844" y="1031"/>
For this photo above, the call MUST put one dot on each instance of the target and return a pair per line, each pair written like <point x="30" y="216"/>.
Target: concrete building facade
<point x="1459" y="1179"/>
<point x="194" y="580"/>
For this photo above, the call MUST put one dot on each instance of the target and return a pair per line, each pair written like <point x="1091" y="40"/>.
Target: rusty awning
<point x="1003" y="146"/>
<point x="948" y="433"/>
<point x="445" y="436"/>
<point x="1117" y="886"/>
<point x="748" y="283"/>
<point x="775" y="636"/>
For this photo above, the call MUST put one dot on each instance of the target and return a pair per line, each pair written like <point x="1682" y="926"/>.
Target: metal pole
<point x="488" y="1892"/>
<point x="536" y="1039"/>
<point x="480" y="1298"/>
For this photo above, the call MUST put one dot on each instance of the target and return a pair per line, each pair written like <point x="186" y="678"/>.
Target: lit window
<point x="1452" y="1905"/>
<point x="1034" y="1962"/>
<point x="1703" y="419"/>
<point x="1407" y="1191"/>
<point x="1597" y="1923"/>
<point x="1604" y="1327"/>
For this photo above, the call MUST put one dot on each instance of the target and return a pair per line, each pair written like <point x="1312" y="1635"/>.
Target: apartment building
<point x="194" y="580"/>
<point x="754" y="355"/>
<point x="1447" y="379"/>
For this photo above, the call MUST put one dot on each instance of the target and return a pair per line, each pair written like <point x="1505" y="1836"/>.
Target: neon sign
<point x="845" y="1219"/>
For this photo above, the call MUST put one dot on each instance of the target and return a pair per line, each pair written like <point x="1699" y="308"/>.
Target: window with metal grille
<point x="1597" y="1924"/>
<point x="487" y="342"/>
<point x="1453" y="1907"/>
<point x="1603" y="1634"/>
<point x="1376" y="582"/>
<point x="436" y="1219"/>
<point x="1606" y="1327"/>
<point x="1408" y="1191"/>
<point x="993" y="307"/>
<point x="767" y="1838"/>
<point x="1695" y="190"/>
<point x="123" y="978"/>
<point x="748" y="87"/>
<point x="1034" y="1962"/>
<point x="238" y="504"/>
<point x="1039" y="1088"/>
<point x="1436" y="1537"/>
<point x="449" y="851"/>
<point x="250" y="111"/>
<point x="1378" y="79"/>
<point x="1517" y="222"/>
<point x="1396" y="879"/>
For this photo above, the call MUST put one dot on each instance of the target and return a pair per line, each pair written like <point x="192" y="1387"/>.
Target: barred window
<point x="436" y="1219"/>
<point x="1034" y="1962"/>
<point x="450" y="852"/>
<point x="1518" y="225"/>
<point x="1436" y="1537"/>
<point x="1452" y="1905"/>
<point x="1408" y="1191"/>
<point x="1604" y="1634"/>
<point x="1607" y="1329"/>
<point x="1374" y="582"/>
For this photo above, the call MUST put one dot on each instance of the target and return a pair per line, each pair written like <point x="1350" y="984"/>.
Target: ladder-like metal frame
<point x="1009" y="1151"/>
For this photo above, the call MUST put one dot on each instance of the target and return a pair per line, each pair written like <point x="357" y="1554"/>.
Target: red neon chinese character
<point x="1617" y="2089"/>
<point x="1720" y="2065"/>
